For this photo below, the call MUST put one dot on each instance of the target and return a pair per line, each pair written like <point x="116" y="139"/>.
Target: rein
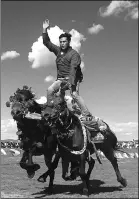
<point x="69" y="123"/>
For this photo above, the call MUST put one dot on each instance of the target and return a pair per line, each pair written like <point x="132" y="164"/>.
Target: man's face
<point x="64" y="43"/>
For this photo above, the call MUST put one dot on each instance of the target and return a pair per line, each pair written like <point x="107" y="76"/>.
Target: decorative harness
<point x="70" y="133"/>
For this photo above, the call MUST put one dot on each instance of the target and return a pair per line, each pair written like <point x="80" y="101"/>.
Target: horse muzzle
<point x="17" y="115"/>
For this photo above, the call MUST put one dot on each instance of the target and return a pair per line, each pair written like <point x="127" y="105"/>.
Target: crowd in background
<point x="10" y="144"/>
<point x="123" y="144"/>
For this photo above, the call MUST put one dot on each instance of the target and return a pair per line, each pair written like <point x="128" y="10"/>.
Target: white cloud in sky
<point x="41" y="100"/>
<point x="95" y="29"/>
<point x="133" y="14"/>
<point x="8" y="129"/>
<point x="42" y="57"/>
<point x="117" y="7"/>
<point x="9" y="55"/>
<point x="49" y="79"/>
<point x="124" y="129"/>
<point x="76" y="39"/>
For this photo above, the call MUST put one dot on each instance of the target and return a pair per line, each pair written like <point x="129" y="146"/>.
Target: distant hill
<point x="9" y="140"/>
<point x="12" y="140"/>
<point x="136" y="141"/>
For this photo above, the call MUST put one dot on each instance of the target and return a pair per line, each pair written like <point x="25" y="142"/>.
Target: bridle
<point x="58" y="118"/>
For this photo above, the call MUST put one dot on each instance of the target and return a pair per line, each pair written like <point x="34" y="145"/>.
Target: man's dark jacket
<point x="68" y="63"/>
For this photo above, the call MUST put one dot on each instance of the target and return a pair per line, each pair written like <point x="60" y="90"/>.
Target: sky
<point x="105" y="33"/>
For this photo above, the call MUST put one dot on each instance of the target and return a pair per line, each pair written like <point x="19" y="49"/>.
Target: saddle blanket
<point x="93" y="126"/>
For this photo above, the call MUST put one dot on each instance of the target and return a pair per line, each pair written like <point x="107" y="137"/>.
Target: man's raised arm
<point x="46" y="40"/>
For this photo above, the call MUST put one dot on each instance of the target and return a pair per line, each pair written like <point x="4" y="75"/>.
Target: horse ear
<point x="17" y="91"/>
<point x="25" y="87"/>
<point x="11" y="98"/>
<point x="8" y="104"/>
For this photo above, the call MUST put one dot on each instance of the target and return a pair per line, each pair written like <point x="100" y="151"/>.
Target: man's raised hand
<point x="46" y="24"/>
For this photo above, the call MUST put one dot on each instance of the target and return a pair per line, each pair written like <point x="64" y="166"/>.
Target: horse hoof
<point x="33" y="167"/>
<point x="85" y="192"/>
<point x="50" y="190"/>
<point x="30" y="174"/>
<point x="67" y="178"/>
<point x="41" y="179"/>
<point x="123" y="182"/>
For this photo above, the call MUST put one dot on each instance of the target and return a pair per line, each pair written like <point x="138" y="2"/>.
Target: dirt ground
<point x="103" y="182"/>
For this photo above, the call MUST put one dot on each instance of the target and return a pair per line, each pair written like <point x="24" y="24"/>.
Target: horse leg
<point x="51" y="170"/>
<point x="74" y="171"/>
<point x="91" y="163"/>
<point x="83" y="175"/>
<point x="111" y="157"/>
<point x="23" y="160"/>
<point x="65" y="166"/>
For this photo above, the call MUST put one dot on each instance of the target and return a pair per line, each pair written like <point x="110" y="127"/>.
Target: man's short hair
<point x="67" y="35"/>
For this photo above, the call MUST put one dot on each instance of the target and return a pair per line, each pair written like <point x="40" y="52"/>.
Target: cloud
<point x="8" y="129"/>
<point x="41" y="100"/>
<point x="133" y="14"/>
<point x="73" y="20"/>
<point x="95" y="29"/>
<point x="123" y="130"/>
<point x="42" y="57"/>
<point x="9" y="55"/>
<point x="117" y="7"/>
<point x="128" y="124"/>
<point x="76" y="39"/>
<point x="49" y="79"/>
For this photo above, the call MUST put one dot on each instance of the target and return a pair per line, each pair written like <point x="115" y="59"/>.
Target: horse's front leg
<point x="65" y="166"/>
<point x="51" y="169"/>
<point x="91" y="163"/>
<point x="109" y="153"/>
<point x="83" y="175"/>
<point x="27" y="163"/>
<point x="23" y="160"/>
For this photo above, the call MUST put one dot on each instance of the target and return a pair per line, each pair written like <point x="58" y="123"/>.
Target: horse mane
<point x="26" y="91"/>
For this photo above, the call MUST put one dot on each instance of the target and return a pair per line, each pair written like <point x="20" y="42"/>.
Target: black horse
<point x="74" y="141"/>
<point x="35" y="137"/>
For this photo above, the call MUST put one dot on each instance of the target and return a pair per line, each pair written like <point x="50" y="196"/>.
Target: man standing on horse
<point x="68" y="67"/>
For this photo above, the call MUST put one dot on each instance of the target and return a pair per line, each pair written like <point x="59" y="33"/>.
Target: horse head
<point x="22" y="102"/>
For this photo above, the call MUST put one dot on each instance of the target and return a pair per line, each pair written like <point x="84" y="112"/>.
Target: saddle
<point x="91" y="124"/>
